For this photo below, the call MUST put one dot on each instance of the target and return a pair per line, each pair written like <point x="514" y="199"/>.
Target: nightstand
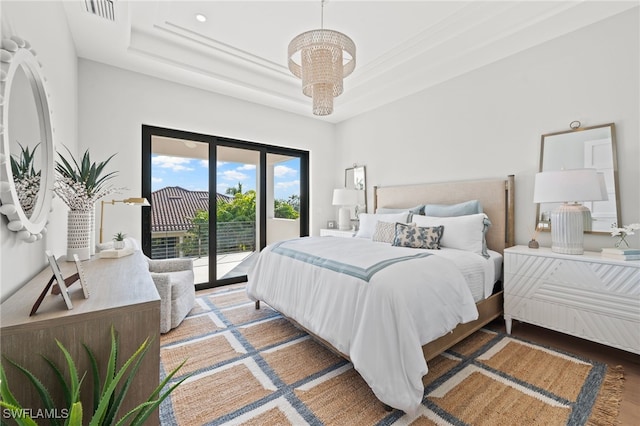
<point x="588" y="296"/>
<point x="337" y="233"/>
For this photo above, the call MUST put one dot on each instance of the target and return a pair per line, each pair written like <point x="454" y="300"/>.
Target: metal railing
<point x="232" y="237"/>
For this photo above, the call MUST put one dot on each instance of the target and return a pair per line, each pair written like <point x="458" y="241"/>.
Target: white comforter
<point x="377" y="311"/>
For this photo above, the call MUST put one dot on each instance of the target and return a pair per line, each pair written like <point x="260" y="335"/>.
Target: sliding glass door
<point x="220" y="216"/>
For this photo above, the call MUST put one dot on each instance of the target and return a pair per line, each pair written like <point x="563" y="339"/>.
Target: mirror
<point x="355" y="178"/>
<point x="589" y="147"/>
<point x="26" y="175"/>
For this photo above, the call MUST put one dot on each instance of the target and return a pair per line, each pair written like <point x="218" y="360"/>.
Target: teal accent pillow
<point x="451" y="210"/>
<point x="412" y="236"/>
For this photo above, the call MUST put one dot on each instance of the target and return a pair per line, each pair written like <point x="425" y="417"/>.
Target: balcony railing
<point x="232" y="237"/>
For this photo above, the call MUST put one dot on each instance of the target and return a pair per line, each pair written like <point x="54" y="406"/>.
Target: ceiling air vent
<point x="101" y="8"/>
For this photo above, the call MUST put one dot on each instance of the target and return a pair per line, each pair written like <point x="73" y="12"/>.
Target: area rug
<point x="253" y="367"/>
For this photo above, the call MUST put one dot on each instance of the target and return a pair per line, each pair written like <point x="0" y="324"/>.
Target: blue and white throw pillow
<point x="410" y="235"/>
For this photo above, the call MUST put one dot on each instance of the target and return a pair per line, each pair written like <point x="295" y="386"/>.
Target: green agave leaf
<point x="106" y="396"/>
<point x="113" y="410"/>
<point x="75" y="415"/>
<point x="5" y="393"/>
<point x="73" y="372"/>
<point x="146" y="411"/>
<point x="96" y="376"/>
<point x="66" y="392"/>
<point x="44" y="394"/>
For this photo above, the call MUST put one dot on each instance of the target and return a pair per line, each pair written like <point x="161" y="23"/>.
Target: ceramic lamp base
<point x="567" y="229"/>
<point x="344" y="219"/>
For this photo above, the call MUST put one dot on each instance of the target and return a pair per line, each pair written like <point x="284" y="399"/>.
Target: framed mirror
<point x="355" y="178"/>
<point x="26" y="169"/>
<point x="588" y="147"/>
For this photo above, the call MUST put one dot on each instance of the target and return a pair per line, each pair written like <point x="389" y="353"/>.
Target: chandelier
<point x="326" y="57"/>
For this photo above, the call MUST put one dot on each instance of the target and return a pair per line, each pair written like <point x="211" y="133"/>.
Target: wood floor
<point x="630" y="406"/>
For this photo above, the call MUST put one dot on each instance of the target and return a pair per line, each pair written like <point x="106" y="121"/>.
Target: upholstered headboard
<point x="495" y="195"/>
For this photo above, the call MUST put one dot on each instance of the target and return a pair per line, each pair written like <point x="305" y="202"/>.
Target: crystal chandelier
<point x="326" y="57"/>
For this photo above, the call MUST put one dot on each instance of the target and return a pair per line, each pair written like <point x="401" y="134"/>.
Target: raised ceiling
<point x="241" y="50"/>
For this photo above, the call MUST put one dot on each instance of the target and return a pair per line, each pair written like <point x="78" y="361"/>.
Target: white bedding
<point x="379" y="317"/>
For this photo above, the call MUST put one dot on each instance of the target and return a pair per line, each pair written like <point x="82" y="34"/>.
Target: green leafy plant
<point x="108" y="394"/>
<point x="23" y="166"/>
<point x="119" y="236"/>
<point x="81" y="184"/>
<point x="85" y="172"/>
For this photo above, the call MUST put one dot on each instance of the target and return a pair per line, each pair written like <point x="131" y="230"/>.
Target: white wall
<point x="47" y="32"/>
<point x="488" y="123"/>
<point x="114" y="104"/>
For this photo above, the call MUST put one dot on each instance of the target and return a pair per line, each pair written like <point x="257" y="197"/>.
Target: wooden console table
<point x="122" y="295"/>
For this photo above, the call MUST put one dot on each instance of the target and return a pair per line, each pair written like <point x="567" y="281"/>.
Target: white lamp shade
<point x="560" y="186"/>
<point x="345" y="197"/>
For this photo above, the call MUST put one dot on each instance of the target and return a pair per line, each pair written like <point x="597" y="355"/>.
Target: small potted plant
<point x="118" y="241"/>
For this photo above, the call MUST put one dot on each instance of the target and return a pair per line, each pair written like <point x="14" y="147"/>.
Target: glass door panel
<point x="283" y="197"/>
<point x="237" y="215"/>
<point x="180" y="202"/>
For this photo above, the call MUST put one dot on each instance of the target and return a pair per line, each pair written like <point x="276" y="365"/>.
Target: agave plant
<point x="81" y="184"/>
<point x="26" y="178"/>
<point x="108" y="395"/>
<point x="24" y="166"/>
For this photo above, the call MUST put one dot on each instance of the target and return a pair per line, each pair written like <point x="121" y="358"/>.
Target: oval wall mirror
<point x="26" y="172"/>
<point x="588" y="147"/>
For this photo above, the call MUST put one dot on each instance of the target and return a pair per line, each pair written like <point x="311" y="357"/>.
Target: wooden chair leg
<point x="257" y="304"/>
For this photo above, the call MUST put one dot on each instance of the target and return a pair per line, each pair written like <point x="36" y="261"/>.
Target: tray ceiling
<point x="241" y="50"/>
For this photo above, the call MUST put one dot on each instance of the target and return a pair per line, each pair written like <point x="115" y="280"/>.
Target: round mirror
<point x="26" y="172"/>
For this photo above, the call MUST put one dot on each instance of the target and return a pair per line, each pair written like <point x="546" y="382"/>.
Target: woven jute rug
<point x="253" y="367"/>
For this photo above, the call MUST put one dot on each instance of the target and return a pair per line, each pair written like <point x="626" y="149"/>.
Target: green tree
<point x="232" y="190"/>
<point x="241" y="209"/>
<point x="196" y="241"/>
<point x="283" y="209"/>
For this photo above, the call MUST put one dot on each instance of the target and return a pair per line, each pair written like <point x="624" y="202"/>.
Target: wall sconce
<point x="128" y="201"/>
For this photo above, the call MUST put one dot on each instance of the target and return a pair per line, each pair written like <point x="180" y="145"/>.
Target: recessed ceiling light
<point x="201" y="18"/>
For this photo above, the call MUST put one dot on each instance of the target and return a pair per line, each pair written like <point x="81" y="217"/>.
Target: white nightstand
<point x="587" y="296"/>
<point x="337" y="233"/>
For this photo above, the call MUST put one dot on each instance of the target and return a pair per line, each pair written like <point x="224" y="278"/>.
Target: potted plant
<point x="108" y="394"/>
<point x="118" y="241"/>
<point x="26" y="178"/>
<point x="80" y="184"/>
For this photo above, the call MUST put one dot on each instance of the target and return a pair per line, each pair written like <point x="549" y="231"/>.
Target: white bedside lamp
<point x="344" y="198"/>
<point x="567" y="221"/>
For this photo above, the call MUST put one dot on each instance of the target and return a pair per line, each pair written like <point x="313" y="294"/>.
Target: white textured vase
<point x="79" y="234"/>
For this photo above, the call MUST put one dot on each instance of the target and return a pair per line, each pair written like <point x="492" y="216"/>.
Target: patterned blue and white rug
<point x="253" y="367"/>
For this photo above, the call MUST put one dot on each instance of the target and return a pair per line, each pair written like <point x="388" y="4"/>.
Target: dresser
<point x="587" y="296"/>
<point x="122" y="295"/>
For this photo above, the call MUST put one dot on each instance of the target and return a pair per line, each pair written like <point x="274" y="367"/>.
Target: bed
<point x="391" y="309"/>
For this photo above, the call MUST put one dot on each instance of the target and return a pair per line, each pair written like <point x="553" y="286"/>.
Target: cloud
<point x="289" y="184"/>
<point x="176" y="164"/>
<point x="247" y="167"/>
<point x="233" y="175"/>
<point x="156" y="180"/>
<point x="204" y="164"/>
<point x="282" y="171"/>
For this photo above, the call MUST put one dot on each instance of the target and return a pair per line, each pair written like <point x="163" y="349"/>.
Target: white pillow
<point x="460" y="232"/>
<point x="368" y="222"/>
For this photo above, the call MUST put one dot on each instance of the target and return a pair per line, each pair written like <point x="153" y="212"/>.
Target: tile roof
<point x="173" y="207"/>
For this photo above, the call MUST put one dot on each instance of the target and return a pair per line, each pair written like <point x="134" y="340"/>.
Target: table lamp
<point x="567" y="221"/>
<point x="344" y="198"/>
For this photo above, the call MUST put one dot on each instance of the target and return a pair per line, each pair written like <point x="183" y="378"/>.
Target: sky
<point x="192" y="174"/>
